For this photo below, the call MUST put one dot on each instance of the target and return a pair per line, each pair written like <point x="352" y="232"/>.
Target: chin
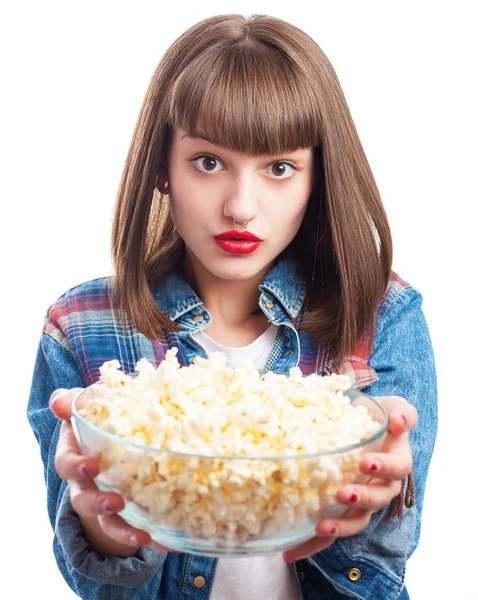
<point x="236" y="268"/>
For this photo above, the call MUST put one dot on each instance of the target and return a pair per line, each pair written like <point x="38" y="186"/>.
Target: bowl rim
<point x="134" y="445"/>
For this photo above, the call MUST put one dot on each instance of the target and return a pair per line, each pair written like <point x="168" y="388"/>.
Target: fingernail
<point x="333" y="530"/>
<point x="404" y="419"/>
<point x="83" y="471"/>
<point x="352" y="498"/>
<point x="133" y="540"/>
<point x="107" y="507"/>
<point x="374" y="467"/>
<point x="59" y="394"/>
<point x="324" y="532"/>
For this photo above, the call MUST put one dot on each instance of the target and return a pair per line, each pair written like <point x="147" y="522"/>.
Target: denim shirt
<point x="82" y="329"/>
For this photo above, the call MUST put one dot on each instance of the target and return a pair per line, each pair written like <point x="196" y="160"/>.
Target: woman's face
<point x="209" y="186"/>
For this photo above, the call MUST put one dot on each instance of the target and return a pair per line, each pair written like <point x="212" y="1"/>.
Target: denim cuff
<point x="114" y="570"/>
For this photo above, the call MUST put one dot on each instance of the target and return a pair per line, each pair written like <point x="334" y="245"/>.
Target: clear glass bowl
<point x="278" y="505"/>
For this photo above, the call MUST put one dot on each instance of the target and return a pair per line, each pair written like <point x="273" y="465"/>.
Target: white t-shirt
<point x="247" y="577"/>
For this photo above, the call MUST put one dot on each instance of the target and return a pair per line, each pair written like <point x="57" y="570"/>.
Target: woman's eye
<point x="279" y="168"/>
<point x="207" y="164"/>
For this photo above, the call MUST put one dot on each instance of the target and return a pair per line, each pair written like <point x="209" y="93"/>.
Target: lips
<point x="237" y="246"/>
<point x="236" y="235"/>
<point x="235" y="242"/>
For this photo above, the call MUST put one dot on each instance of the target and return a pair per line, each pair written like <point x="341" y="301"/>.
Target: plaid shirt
<point x="82" y="329"/>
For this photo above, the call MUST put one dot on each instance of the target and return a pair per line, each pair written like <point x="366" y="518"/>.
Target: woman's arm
<point x="88" y="573"/>
<point x="367" y="558"/>
<point x="403" y="359"/>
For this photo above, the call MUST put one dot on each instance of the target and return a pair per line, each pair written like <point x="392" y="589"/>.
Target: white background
<point x="73" y="79"/>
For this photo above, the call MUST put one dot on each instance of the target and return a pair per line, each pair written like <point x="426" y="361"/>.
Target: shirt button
<point x="198" y="318"/>
<point x="354" y="574"/>
<point x="302" y="576"/>
<point x="269" y="304"/>
<point x="199" y="581"/>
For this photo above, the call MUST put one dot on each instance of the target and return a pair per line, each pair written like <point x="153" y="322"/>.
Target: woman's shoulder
<point x="88" y="291"/>
<point x="88" y="301"/>
<point x="89" y="295"/>
<point x="398" y="295"/>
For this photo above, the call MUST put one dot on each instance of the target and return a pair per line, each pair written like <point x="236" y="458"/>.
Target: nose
<point x="241" y="203"/>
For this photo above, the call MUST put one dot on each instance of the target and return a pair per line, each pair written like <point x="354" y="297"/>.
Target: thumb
<point x="60" y="402"/>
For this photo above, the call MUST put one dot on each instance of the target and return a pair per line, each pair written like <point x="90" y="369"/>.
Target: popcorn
<point x="232" y="461"/>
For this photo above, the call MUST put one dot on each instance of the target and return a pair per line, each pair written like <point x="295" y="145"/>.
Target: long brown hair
<point x="257" y="85"/>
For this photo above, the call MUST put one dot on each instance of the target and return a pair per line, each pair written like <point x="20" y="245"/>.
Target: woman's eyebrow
<point x="203" y="136"/>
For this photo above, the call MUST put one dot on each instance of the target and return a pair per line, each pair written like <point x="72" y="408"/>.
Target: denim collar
<point x="175" y="297"/>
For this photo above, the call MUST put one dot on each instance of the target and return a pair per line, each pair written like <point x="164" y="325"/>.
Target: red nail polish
<point x="107" y="507"/>
<point x="83" y="471"/>
<point x="353" y="497"/>
<point x="373" y="467"/>
<point x="333" y="530"/>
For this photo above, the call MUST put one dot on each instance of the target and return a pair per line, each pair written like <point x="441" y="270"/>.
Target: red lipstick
<point x="238" y="242"/>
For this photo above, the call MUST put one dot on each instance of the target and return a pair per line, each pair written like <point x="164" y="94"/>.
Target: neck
<point x="233" y="303"/>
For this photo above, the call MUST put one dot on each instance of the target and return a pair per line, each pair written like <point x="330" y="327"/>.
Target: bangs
<point x="250" y="100"/>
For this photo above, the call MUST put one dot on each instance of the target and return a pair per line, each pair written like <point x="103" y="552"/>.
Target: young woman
<point x="247" y="221"/>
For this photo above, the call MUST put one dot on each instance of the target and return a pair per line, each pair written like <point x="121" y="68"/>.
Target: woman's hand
<point x="389" y="468"/>
<point x="106" y="531"/>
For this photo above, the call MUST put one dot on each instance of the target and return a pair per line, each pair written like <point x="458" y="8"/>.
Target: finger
<point x="308" y="548"/>
<point x="116" y="528"/>
<point x="354" y="522"/>
<point x="60" y="402"/>
<point x="397" y="463"/>
<point x="403" y="416"/>
<point x="401" y="420"/>
<point x="69" y="462"/>
<point x="87" y="500"/>
<point x="373" y="496"/>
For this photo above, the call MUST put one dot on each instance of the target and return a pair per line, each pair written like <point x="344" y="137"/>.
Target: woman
<point x="236" y="108"/>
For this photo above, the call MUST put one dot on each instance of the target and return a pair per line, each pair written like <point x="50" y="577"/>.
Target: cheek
<point x="188" y="200"/>
<point x="292" y="213"/>
<point x="183" y="202"/>
<point x="301" y="209"/>
<point x="287" y="221"/>
<point x="191" y="214"/>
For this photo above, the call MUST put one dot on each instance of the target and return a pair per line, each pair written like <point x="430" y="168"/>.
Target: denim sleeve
<point x="88" y="573"/>
<point x="403" y="359"/>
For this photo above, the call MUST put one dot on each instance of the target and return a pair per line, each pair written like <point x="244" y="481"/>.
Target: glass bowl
<point x="261" y="505"/>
